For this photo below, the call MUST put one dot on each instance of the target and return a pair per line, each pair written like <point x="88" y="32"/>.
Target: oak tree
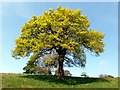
<point x="64" y="30"/>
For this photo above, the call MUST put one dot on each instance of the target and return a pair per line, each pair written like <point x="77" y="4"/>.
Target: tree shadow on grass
<point x="67" y="80"/>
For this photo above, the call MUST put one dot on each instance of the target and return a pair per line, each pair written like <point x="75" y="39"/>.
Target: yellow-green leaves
<point x="63" y="27"/>
<point x="95" y="41"/>
<point x="49" y="61"/>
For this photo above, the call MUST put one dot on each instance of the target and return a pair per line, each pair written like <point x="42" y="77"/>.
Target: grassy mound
<point x="51" y="81"/>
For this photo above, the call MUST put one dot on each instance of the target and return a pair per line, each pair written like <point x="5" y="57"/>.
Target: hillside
<point x="44" y="81"/>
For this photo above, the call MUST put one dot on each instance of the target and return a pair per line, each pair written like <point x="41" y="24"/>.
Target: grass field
<point x="44" y="81"/>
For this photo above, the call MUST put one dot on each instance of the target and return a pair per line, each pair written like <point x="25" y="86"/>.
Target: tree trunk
<point x="61" y="52"/>
<point x="60" y="70"/>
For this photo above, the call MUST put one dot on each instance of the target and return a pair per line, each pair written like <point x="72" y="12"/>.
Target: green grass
<point x="45" y="81"/>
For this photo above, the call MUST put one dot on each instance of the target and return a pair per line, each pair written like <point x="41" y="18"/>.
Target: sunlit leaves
<point x="63" y="28"/>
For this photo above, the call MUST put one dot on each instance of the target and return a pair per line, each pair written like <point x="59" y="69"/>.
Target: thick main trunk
<point x="60" y="70"/>
<point x="61" y="52"/>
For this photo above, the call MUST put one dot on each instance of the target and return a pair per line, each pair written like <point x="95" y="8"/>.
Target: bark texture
<point x="61" y="52"/>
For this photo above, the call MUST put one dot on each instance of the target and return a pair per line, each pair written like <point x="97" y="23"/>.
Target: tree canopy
<point x="64" y="30"/>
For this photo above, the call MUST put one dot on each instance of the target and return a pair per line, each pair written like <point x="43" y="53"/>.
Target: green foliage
<point x="61" y="29"/>
<point x="40" y="70"/>
<point x="35" y="65"/>
<point x="66" y="72"/>
<point x="49" y="61"/>
<point x="110" y="76"/>
<point x="43" y="71"/>
<point x="84" y="74"/>
<point x="31" y="66"/>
